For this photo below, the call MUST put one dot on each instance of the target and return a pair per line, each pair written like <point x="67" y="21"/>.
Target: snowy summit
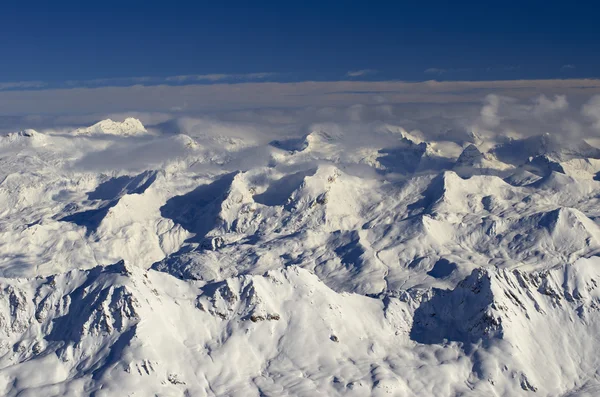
<point x="129" y="127"/>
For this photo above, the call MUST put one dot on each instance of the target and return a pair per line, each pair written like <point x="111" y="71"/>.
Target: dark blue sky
<point x="320" y="40"/>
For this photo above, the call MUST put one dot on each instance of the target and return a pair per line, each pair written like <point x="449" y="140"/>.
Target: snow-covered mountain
<point x="321" y="265"/>
<point x="128" y="127"/>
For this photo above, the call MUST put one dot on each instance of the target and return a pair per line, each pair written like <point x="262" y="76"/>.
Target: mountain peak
<point x="129" y="127"/>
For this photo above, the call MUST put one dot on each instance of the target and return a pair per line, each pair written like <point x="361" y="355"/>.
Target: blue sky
<point x="110" y="42"/>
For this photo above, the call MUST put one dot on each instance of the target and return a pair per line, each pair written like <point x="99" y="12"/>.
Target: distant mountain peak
<point x="129" y="127"/>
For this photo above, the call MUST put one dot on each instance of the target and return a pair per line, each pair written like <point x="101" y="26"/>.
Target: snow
<point x="128" y="127"/>
<point x="332" y="262"/>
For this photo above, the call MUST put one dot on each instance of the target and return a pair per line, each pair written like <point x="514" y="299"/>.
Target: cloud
<point x="567" y="67"/>
<point x="291" y="105"/>
<point x="435" y="71"/>
<point x="503" y="116"/>
<point x="117" y="81"/>
<point x="543" y="105"/>
<point x="21" y="85"/>
<point x="204" y="77"/>
<point x="440" y="71"/>
<point x="133" y="154"/>
<point x="489" y="112"/>
<point x="218" y="77"/>
<point x="360" y="73"/>
<point x="495" y="118"/>
<point x="591" y="110"/>
<point x="505" y="68"/>
<point x="248" y="115"/>
<point x="182" y="79"/>
<point x="253" y="95"/>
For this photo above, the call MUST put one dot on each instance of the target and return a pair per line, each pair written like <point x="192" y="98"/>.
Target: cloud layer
<point x="446" y="110"/>
<point x="253" y="95"/>
<point x="141" y="80"/>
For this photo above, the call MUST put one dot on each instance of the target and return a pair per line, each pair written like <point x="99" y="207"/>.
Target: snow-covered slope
<point x="334" y="263"/>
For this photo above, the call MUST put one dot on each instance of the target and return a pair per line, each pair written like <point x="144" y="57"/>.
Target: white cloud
<point x="509" y="116"/>
<point x="489" y="112"/>
<point x="360" y="73"/>
<point x="591" y="110"/>
<point x="544" y="105"/>
<point x="568" y="66"/>
<point x="355" y="112"/>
